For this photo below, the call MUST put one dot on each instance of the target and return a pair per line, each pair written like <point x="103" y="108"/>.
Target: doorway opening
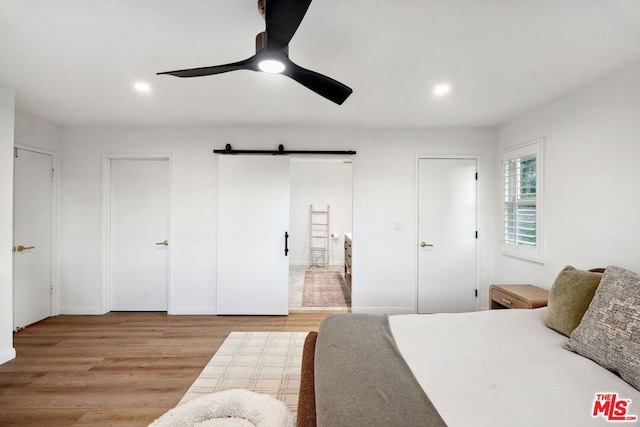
<point x="319" y="278"/>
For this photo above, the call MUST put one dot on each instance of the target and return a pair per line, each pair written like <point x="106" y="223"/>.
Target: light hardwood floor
<point x="120" y="369"/>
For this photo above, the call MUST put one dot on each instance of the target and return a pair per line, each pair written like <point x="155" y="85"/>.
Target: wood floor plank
<point x="41" y="417"/>
<point x="120" y="369"/>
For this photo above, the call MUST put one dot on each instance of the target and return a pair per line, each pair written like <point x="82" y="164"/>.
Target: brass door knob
<point x="164" y="243"/>
<point x="22" y="248"/>
<point x="426" y="245"/>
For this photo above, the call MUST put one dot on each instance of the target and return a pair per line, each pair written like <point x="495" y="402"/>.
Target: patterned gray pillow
<point x="609" y="333"/>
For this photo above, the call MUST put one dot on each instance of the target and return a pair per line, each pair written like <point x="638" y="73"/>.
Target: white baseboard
<point x="192" y="311"/>
<point x="384" y="310"/>
<point x="7" y="355"/>
<point x="81" y="311"/>
<point x="174" y="311"/>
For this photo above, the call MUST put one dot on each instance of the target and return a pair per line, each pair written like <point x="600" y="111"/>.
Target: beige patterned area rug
<point x="264" y="362"/>
<point x="324" y="288"/>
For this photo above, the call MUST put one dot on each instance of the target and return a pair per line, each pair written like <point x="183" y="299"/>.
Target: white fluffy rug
<point x="229" y="408"/>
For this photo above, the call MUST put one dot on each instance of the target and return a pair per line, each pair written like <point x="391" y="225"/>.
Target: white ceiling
<point x="74" y="62"/>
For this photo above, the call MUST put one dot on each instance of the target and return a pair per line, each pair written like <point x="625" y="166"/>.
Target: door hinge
<point x="476" y="293"/>
<point x="15" y="152"/>
<point x="476" y="234"/>
<point x="51" y="289"/>
<point x="476" y="176"/>
<point x="53" y="171"/>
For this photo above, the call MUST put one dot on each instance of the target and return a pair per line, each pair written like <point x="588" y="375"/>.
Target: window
<point x="522" y="201"/>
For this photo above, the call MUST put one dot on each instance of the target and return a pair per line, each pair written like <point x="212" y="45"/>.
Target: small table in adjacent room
<point x="517" y="296"/>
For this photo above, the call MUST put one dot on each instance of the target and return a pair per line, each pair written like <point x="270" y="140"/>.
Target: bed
<point x="488" y="368"/>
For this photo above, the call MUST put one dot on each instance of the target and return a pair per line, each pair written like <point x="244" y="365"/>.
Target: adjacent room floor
<point x="296" y="288"/>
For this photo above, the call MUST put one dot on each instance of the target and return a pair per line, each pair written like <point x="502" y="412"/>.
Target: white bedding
<point x="504" y="368"/>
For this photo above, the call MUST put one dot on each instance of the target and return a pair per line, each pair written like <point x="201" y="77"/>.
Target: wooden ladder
<point x="318" y="237"/>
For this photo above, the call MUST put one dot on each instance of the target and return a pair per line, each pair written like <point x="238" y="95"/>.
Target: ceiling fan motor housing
<point x="261" y="43"/>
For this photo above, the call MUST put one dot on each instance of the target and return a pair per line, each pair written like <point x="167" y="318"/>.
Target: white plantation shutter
<point x="520" y="201"/>
<point x="522" y="233"/>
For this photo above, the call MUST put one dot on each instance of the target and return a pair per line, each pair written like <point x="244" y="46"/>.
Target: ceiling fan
<point x="282" y="19"/>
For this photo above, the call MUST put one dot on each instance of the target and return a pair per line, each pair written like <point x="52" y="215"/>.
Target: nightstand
<point x="517" y="296"/>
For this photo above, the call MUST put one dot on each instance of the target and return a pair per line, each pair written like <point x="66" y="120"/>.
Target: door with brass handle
<point x="33" y="246"/>
<point x="426" y="245"/>
<point x="164" y="243"/>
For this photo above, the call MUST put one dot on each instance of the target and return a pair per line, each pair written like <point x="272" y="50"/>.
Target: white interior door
<point x="139" y="234"/>
<point x="447" y="235"/>
<point x="33" y="200"/>
<point x="253" y="217"/>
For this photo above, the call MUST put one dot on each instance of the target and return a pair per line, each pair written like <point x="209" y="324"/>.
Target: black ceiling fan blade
<point x="282" y="18"/>
<point x="325" y="86"/>
<point x="247" y="64"/>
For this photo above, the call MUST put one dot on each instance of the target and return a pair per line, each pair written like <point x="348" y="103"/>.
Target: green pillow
<point x="569" y="298"/>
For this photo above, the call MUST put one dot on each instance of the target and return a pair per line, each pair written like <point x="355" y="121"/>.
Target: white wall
<point x="35" y="132"/>
<point x="384" y="192"/>
<point x="592" y="173"/>
<point x="7" y="118"/>
<point x="193" y="213"/>
<point x="320" y="182"/>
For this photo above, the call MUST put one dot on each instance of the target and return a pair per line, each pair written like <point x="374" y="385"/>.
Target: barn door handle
<point x="286" y="243"/>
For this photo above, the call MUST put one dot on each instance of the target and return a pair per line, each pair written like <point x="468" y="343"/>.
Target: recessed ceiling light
<point x="271" y="66"/>
<point x="142" y="87"/>
<point x="441" y="89"/>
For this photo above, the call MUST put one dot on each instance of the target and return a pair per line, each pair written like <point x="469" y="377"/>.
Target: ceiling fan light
<point x="442" y="89"/>
<point x="271" y="66"/>
<point x="142" y="87"/>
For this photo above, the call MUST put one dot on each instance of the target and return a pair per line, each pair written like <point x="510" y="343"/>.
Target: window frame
<point x="532" y="253"/>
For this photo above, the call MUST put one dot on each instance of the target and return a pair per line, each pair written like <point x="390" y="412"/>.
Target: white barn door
<point x="253" y="221"/>
<point x="447" y="235"/>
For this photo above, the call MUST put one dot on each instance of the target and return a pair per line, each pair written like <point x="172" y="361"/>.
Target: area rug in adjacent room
<point x="324" y="288"/>
<point x="263" y="362"/>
